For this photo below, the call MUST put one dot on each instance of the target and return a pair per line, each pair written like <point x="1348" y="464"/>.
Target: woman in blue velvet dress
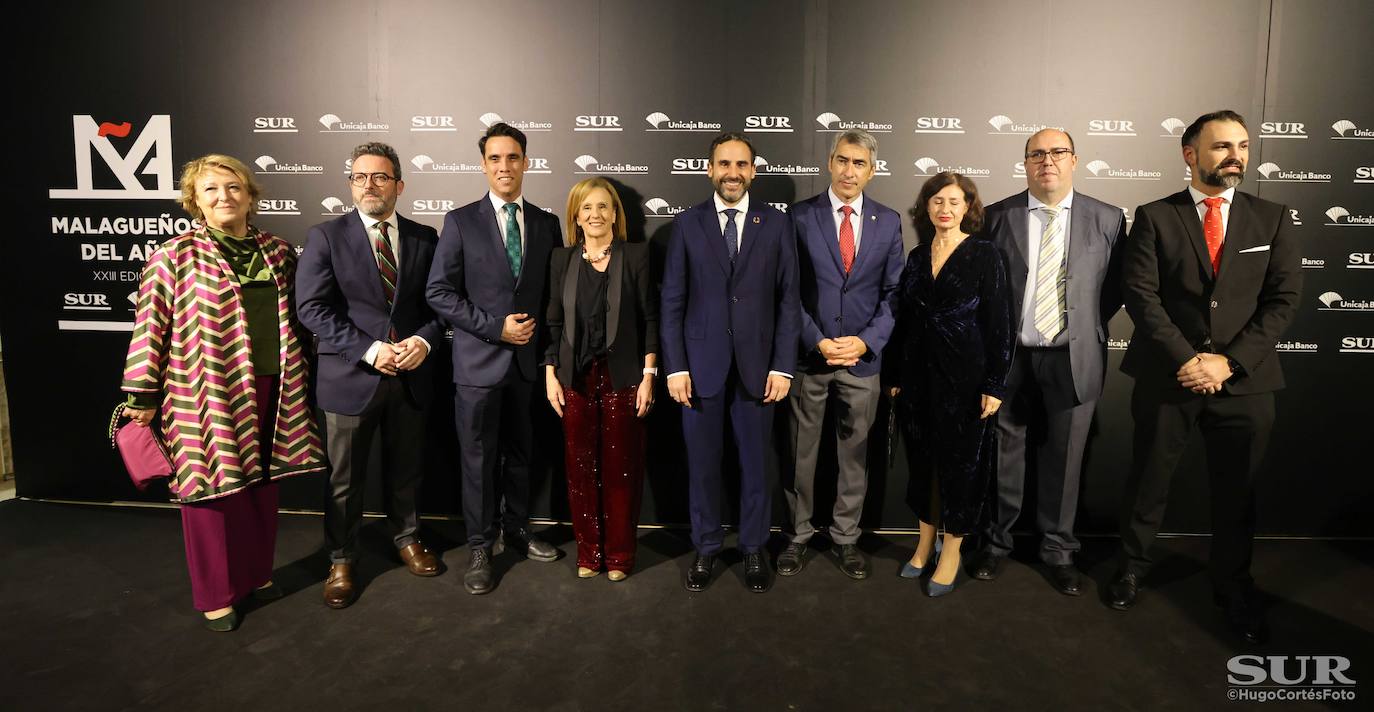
<point x="954" y="345"/>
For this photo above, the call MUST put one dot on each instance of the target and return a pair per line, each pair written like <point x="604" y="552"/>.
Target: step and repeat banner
<point x="635" y="91"/>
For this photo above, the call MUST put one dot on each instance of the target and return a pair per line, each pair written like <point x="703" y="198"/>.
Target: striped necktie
<point x="386" y="262"/>
<point x="1050" y="278"/>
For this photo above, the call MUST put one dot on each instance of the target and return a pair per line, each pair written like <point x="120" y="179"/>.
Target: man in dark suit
<point x="489" y="280"/>
<point x="729" y="318"/>
<point x="850" y="258"/>
<point x="360" y="286"/>
<point x="1211" y="279"/>
<point x="1065" y="286"/>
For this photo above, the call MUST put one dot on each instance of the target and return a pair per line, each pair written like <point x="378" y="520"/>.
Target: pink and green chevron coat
<point x="190" y="344"/>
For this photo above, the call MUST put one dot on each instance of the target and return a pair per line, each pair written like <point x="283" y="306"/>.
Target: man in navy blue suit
<point x="729" y="323"/>
<point x="360" y="286"/>
<point x="488" y="280"/>
<point x="849" y="250"/>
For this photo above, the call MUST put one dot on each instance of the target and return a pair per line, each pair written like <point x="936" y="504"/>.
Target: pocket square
<point x="1261" y="248"/>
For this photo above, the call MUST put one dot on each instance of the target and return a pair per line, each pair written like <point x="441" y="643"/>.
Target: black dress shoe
<point x="479" y="575"/>
<point x="522" y="542"/>
<point x="757" y="577"/>
<point x="853" y="562"/>
<point x="1066" y="580"/>
<point x="699" y="573"/>
<point x="986" y="566"/>
<point x="1122" y="593"/>
<point x="792" y="559"/>
<point x="1245" y="616"/>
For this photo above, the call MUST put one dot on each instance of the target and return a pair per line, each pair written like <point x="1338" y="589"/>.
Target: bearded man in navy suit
<point x="729" y="322"/>
<point x="360" y="286"/>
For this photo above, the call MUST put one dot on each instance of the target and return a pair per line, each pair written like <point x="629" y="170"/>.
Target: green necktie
<point x="512" y="239"/>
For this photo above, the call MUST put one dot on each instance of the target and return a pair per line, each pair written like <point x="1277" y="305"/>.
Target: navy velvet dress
<point x="954" y="342"/>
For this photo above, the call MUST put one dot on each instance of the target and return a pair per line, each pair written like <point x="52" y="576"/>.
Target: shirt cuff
<point x="788" y="376"/>
<point x="370" y="356"/>
<point x="428" y="348"/>
<point x="675" y="374"/>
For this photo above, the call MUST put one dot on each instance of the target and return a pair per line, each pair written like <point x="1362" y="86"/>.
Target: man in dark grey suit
<point x="849" y="250"/>
<point x="1065" y="285"/>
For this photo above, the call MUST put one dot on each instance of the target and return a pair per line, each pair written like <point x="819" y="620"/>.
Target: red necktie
<point x="1211" y="231"/>
<point x="846" y="238"/>
<point x="386" y="265"/>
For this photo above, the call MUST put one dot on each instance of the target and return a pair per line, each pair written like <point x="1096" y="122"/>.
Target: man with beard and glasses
<point x="360" y="286"/>
<point x="1211" y="278"/>
<point x="730" y="320"/>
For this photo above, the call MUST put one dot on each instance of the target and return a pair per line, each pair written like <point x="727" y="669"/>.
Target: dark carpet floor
<point x="95" y="614"/>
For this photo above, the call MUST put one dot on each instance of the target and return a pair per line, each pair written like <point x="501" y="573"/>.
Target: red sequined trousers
<point x="604" y="453"/>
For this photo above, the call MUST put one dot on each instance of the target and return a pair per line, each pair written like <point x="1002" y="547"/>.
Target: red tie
<point x="846" y="238"/>
<point x="1211" y="231"/>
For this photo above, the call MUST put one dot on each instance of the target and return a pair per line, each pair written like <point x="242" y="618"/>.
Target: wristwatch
<point x="1235" y="366"/>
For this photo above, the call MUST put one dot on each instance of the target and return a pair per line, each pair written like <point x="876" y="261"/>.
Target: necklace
<point x="605" y="252"/>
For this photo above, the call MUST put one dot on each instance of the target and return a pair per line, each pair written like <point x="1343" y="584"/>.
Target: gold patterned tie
<point x="1050" y="277"/>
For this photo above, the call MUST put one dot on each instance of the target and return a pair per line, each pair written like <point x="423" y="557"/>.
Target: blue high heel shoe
<point x="910" y="572"/>
<point x="936" y="590"/>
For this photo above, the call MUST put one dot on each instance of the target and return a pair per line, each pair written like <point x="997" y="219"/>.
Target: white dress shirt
<point x="1035" y="228"/>
<point x="499" y="205"/>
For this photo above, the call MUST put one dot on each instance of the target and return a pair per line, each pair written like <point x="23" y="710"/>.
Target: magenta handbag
<point x="144" y="456"/>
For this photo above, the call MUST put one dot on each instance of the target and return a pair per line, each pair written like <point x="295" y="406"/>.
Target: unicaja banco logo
<point x="1272" y="173"/>
<point x="150" y="150"/>
<point x="1340" y="217"/>
<point x="1101" y="170"/>
<point x="425" y="164"/>
<point x="927" y="166"/>
<point x="764" y="168"/>
<point x="492" y="118"/>
<point x="334" y="206"/>
<point x="333" y="124"/>
<point x="659" y="121"/>
<point x="271" y="166"/>
<point x="1347" y="130"/>
<point x="588" y="165"/>
<point x="1002" y="124"/>
<point x="831" y="123"/>
<point x="660" y="208"/>
<point x="1172" y="127"/>
<point x="1333" y="301"/>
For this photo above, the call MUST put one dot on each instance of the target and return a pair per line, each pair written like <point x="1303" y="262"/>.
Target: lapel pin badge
<point x="756" y="219"/>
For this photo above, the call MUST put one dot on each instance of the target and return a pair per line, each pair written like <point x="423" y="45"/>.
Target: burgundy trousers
<point x="604" y="453"/>
<point x="230" y="540"/>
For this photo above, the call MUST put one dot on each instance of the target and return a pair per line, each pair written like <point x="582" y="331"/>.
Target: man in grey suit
<point x="1065" y="284"/>
<point x="850" y="257"/>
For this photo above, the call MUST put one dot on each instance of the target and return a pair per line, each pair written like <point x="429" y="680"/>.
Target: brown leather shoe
<point x="419" y="560"/>
<point x="338" y="589"/>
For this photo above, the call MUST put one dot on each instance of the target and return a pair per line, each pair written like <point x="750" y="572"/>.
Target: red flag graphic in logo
<point x="117" y="130"/>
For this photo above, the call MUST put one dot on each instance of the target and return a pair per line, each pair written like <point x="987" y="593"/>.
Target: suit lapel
<point x="486" y="216"/>
<point x="754" y="222"/>
<point x="1237" y="233"/>
<point x="1079" y="234"/>
<point x="1019" y="216"/>
<point x="570" y="296"/>
<point x="359" y="246"/>
<point x="715" y="239"/>
<point x="868" y="232"/>
<point x="825" y="227"/>
<point x="1187" y="213"/>
<point x="614" y="272"/>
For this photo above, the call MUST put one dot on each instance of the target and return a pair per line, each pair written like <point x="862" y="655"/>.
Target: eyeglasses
<point x="1058" y="154"/>
<point x="381" y="180"/>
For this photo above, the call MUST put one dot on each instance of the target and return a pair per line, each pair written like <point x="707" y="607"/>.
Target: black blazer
<point x="1179" y="309"/>
<point x="472" y="289"/>
<point x="631" y="312"/>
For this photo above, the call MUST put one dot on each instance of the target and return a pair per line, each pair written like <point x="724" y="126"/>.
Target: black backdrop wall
<point x="635" y="90"/>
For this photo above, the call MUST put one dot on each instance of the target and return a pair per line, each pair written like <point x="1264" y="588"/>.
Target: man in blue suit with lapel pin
<point x="1211" y="279"/>
<point x="850" y="258"/>
<point x="488" y="281"/>
<point x="729" y="323"/>
<point x="360" y="286"/>
<point x="1063" y="257"/>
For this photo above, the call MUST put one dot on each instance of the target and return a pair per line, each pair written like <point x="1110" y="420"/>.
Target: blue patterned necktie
<point x="731" y="234"/>
<point x="512" y="239"/>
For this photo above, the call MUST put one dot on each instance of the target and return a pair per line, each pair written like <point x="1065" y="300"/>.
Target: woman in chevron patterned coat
<point x="216" y="350"/>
